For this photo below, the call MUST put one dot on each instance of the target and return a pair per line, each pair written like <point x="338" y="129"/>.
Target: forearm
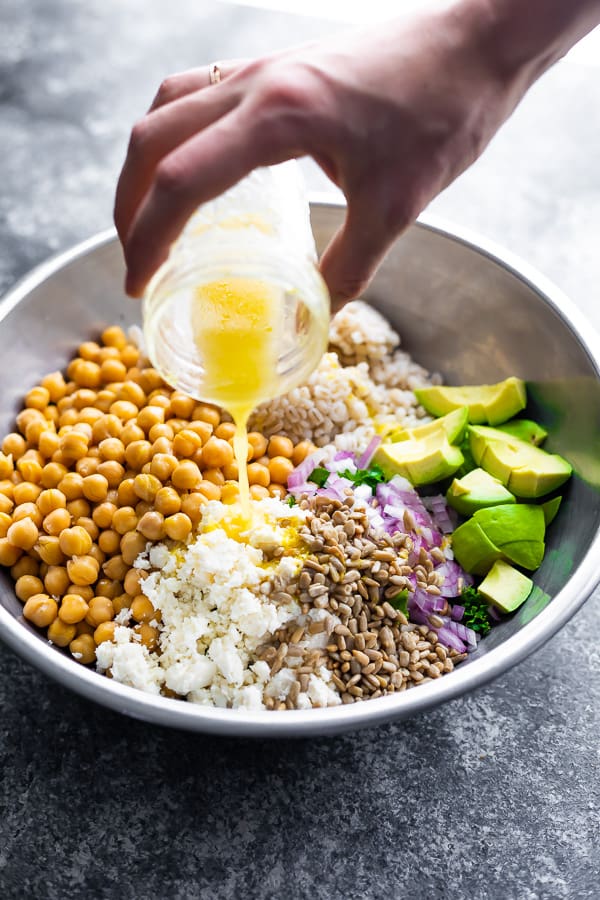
<point x="523" y="38"/>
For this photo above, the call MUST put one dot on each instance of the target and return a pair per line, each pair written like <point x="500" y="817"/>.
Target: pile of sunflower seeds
<point x="352" y="576"/>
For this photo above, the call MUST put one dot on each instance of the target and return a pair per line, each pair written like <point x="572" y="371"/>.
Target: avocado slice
<point x="454" y="425"/>
<point x="526" y="471"/>
<point x="476" y="490"/>
<point x="526" y="430"/>
<point x="491" y="403"/>
<point x="550" y="508"/>
<point x="423" y="461"/>
<point x="513" y="532"/>
<point x="505" y="587"/>
<point x="473" y="549"/>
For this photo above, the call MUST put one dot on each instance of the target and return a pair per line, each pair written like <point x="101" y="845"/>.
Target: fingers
<point x="199" y="170"/>
<point x="355" y="251"/>
<point x="157" y="135"/>
<point x="176" y="86"/>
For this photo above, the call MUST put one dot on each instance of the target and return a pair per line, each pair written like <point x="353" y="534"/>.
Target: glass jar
<point x="255" y="240"/>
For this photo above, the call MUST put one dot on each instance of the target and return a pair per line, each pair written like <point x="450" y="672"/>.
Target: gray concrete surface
<point x="493" y="796"/>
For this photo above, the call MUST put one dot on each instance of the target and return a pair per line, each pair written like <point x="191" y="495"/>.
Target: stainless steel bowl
<point x="464" y="308"/>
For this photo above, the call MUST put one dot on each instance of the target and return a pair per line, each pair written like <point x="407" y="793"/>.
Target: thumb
<point x="353" y="254"/>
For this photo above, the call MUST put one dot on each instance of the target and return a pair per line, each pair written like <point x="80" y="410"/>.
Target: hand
<point x="392" y="115"/>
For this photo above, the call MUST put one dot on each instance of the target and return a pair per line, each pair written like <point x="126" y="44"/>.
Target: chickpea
<point x="41" y="610"/>
<point x="116" y="568"/>
<point x="148" y="634"/>
<point x="75" y="541"/>
<point x="113" y="472"/>
<point x="186" y="475"/>
<point x="162" y="445"/>
<point x="109" y="541"/>
<point x="152" y="525"/>
<point x="26" y="416"/>
<point x="131" y="391"/>
<point x="162" y="466"/>
<point x="149" y="416"/>
<point x="87" y="466"/>
<point x="6" y="504"/>
<point x="258" y="492"/>
<point x="105" y="400"/>
<point x="14" y="445"/>
<point x="30" y="469"/>
<point x="142" y="609"/>
<point x="231" y="472"/>
<point x="167" y="501"/>
<point x="132" y="544"/>
<point x="192" y="504"/>
<point x="5" y="524"/>
<point x="60" y="633"/>
<point x="27" y="586"/>
<point x="214" y="475"/>
<point x="178" y="526"/>
<point x="68" y="418"/>
<point x="137" y="454"/>
<point x="130" y="355"/>
<point x="226" y="431"/>
<point x="95" y="488"/>
<point x="132" y="582"/>
<point x="56" y="581"/>
<point x="124" y="409"/>
<point x="280" y="468"/>
<point x="97" y="554"/>
<point x="106" y="587"/>
<point x="83" y="628"/>
<point x="258" y="442"/>
<point x="112" y="370"/>
<point x="88" y="350"/>
<point x="258" y="474"/>
<point x="55" y="385"/>
<point x="79" y="509"/>
<point x="186" y="442"/>
<point x="83" y="649"/>
<point x="182" y="405"/>
<point x="73" y="609"/>
<point x="74" y="445"/>
<point x="209" y="489"/>
<point x="37" y="398"/>
<point x="150" y="380"/>
<point x="146" y="487"/>
<point x="109" y="353"/>
<point x="230" y="492"/>
<point x="49" y="550"/>
<point x="104" y="632"/>
<point x="206" y="413"/>
<point x="23" y="534"/>
<point x="26" y="492"/>
<point x="103" y="514"/>
<point x="131" y="432"/>
<point x="112" y="448"/>
<point x="7" y="488"/>
<point x="89" y="415"/>
<point x="277" y="490"/>
<point x="6" y="466"/>
<point x="86" y="373"/>
<point x="9" y="554"/>
<point x="124" y="520"/>
<point x="100" y="610"/>
<point x="49" y="500"/>
<point x="126" y="495"/>
<point x="89" y="526"/>
<point x="83" y="569"/>
<point x="52" y="474"/>
<point x="56" y="521"/>
<point x="84" y="590"/>
<point x="51" y="414"/>
<point x="141" y="508"/>
<point x="217" y="452"/>
<point x="202" y="429"/>
<point x="27" y="565"/>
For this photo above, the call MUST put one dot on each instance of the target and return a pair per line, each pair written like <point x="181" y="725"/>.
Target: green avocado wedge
<point x="454" y="425"/>
<point x="423" y="461"/>
<point x="526" y="430"/>
<point x="505" y="587"/>
<point x="526" y="471"/>
<point x="477" y="490"/>
<point x="513" y="532"/>
<point x="487" y="403"/>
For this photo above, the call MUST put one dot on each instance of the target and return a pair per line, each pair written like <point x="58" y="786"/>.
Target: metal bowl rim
<point x="303" y="723"/>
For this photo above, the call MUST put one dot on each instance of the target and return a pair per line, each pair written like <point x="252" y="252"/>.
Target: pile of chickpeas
<point x="101" y="464"/>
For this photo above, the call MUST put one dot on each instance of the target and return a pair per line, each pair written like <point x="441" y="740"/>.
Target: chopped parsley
<point x="400" y="601"/>
<point x="319" y="476"/>
<point x="371" y="476"/>
<point x="290" y="500"/>
<point x="476" y="614"/>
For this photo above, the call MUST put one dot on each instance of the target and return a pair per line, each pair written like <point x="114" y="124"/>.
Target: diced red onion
<point x="494" y="613"/>
<point x="467" y="635"/>
<point x="450" y="639"/>
<point x="457" y="612"/>
<point x="302" y="471"/>
<point x="369" y="453"/>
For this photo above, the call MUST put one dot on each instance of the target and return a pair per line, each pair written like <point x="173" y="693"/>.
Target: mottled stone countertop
<point x="495" y="795"/>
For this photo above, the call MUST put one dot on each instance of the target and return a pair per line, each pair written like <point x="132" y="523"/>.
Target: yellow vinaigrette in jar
<point x="236" y="327"/>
